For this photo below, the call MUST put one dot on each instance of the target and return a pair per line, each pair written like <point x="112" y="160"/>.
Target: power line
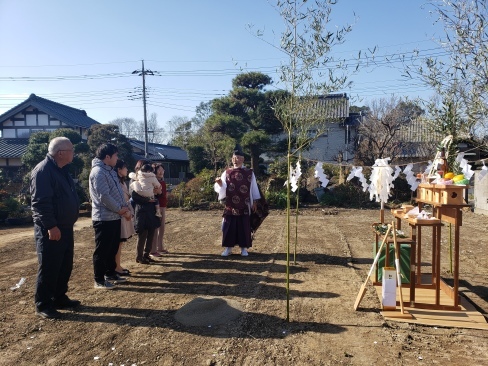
<point x="377" y="60"/>
<point x="158" y="96"/>
<point x="356" y="51"/>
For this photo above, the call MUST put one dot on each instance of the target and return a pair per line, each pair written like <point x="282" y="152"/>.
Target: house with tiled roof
<point x="33" y="115"/>
<point x="419" y="140"/>
<point x="173" y="158"/>
<point x="337" y="127"/>
<point x="337" y="141"/>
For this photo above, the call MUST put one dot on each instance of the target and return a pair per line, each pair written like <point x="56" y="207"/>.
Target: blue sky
<point x="81" y="53"/>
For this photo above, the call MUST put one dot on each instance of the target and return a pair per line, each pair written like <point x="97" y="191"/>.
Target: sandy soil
<point x="136" y="323"/>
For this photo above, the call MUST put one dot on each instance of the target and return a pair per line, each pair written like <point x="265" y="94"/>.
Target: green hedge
<point x="347" y="195"/>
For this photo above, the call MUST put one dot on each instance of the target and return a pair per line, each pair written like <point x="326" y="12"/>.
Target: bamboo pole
<point x="397" y="265"/>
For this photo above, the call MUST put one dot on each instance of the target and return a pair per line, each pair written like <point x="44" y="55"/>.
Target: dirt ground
<point x="136" y="325"/>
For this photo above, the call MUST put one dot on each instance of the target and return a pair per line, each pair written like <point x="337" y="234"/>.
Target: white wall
<point x="326" y="148"/>
<point x="11" y="162"/>
<point x="480" y="194"/>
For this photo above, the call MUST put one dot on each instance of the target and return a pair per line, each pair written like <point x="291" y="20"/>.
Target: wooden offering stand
<point x="447" y="204"/>
<point x="416" y="278"/>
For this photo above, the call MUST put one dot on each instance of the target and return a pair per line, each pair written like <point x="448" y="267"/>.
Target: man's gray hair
<point x="58" y="143"/>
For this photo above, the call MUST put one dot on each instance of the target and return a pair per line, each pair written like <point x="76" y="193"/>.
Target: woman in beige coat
<point x="127" y="224"/>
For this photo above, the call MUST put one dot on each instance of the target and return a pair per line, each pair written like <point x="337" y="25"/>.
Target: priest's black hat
<point x="238" y="150"/>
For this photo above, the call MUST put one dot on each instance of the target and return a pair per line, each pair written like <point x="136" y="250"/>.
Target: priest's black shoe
<point x="49" y="313"/>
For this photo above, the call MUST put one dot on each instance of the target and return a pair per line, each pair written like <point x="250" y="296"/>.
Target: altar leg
<point x="412" y="274"/>
<point x="456" y="260"/>
<point x="419" y="255"/>
<point x="434" y="254"/>
<point x="437" y="250"/>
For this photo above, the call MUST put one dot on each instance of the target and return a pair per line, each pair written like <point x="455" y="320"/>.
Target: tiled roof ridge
<point x="334" y="95"/>
<point x="325" y="96"/>
<point x="155" y="144"/>
<point x="34" y="97"/>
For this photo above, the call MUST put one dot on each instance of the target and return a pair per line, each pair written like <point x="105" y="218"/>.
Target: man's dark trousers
<point x="55" y="265"/>
<point x="107" y="241"/>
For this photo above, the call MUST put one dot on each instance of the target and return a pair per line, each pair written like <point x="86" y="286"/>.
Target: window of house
<point x="30" y="119"/>
<point x="23" y="133"/>
<point x="43" y="120"/>
<point x="8" y="133"/>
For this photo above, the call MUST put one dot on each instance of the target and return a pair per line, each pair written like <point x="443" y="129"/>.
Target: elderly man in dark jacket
<point x="54" y="210"/>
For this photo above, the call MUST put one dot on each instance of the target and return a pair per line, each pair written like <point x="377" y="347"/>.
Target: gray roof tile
<point x="159" y="152"/>
<point x="12" y="147"/>
<point x="327" y="107"/>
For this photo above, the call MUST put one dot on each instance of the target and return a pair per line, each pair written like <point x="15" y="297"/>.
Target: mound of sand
<point x="208" y="311"/>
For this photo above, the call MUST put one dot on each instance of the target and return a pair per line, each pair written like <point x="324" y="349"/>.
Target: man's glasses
<point x="72" y="150"/>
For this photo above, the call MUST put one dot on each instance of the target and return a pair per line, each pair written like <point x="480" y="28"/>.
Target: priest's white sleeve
<point x="221" y="189"/>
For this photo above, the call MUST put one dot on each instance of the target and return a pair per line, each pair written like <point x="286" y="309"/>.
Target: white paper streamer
<point x="293" y="183"/>
<point x="359" y="174"/>
<point x="351" y="174"/>
<point x="381" y="181"/>
<point x="464" y="165"/>
<point x="298" y="170"/>
<point x="468" y="172"/>
<point x="410" y="177"/>
<point x="483" y="172"/>
<point x="295" y="174"/>
<point x="292" y="179"/>
<point x="319" y="173"/>
<point x="398" y="170"/>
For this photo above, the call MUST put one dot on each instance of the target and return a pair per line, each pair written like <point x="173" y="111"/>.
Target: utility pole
<point x="143" y="73"/>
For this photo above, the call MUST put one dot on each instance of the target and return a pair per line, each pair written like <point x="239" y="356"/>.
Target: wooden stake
<point x="362" y="290"/>
<point x="397" y="265"/>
